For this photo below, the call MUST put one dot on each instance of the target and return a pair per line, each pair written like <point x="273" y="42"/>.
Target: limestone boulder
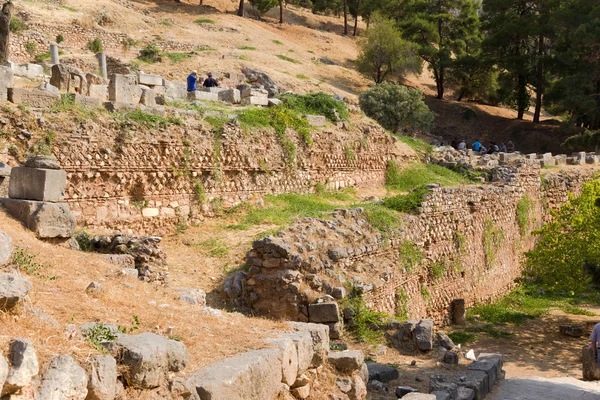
<point x="102" y="384"/>
<point x="37" y="184"/>
<point x="347" y="360"/>
<point x="324" y="312"/>
<point x="193" y="296"/>
<point x="288" y="359"/>
<point x="24" y="366"/>
<point x="444" y="340"/>
<point x="260" y="78"/>
<point x="64" y="379"/>
<point x="47" y="220"/>
<point x="42" y="161"/>
<point x="38" y="98"/>
<point x="423" y="334"/>
<point x="359" y="389"/>
<point x="320" y="340"/>
<point x="303" y="343"/>
<point x="5" y="248"/>
<point x="255" y="375"/>
<point x="3" y="371"/>
<point x="13" y="289"/>
<point x="147" y="358"/>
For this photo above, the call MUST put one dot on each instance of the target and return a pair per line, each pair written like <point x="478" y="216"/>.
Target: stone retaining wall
<point x="469" y="237"/>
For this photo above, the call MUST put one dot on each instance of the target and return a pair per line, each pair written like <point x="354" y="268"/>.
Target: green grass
<point x="46" y="56"/>
<point x="416" y="144"/>
<point x="462" y="337"/>
<point x="289" y="59"/>
<point x="418" y="175"/>
<point x="317" y="104"/>
<point x="302" y="76"/>
<point x="204" y="21"/>
<point x="213" y="247"/>
<point x="573" y="310"/>
<point x="17" y="25"/>
<point x="177" y="57"/>
<point x="406" y="203"/>
<point x="277" y="42"/>
<point x="166" y="23"/>
<point x="381" y="217"/>
<point x="364" y="320"/>
<point x="246" y="48"/>
<point x="525" y="208"/>
<point x="145" y="119"/>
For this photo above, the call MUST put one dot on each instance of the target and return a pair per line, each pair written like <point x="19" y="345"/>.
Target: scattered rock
<point x="64" y="379"/>
<point x="94" y="287"/>
<point x="423" y="334"/>
<point x="571" y="330"/>
<point x="591" y="370"/>
<point x="344" y="384"/>
<point x="377" y="386"/>
<point x="102" y="384"/>
<point x="130" y="272"/>
<point x="450" y="357"/>
<point x="359" y="389"/>
<point x="44" y="162"/>
<point x="24" y="366"/>
<point x="193" y="296"/>
<point x="13" y="289"/>
<point x="347" y="361"/>
<point x="301" y="392"/>
<point x="5" y="248"/>
<point x="402" y="391"/>
<point x="382" y="372"/>
<point x="444" y="340"/>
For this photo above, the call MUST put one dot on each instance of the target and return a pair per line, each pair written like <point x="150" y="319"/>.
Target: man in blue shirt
<point x="191" y="81"/>
<point x="476" y="145"/>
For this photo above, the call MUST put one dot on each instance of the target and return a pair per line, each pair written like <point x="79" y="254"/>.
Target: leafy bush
<point x="365" y="320"/>
<point x="31" y="47"/>
<point x="95" y="46"/>
<point x="317" y="104"/>
<point x="493" y="237"/>
<point x="128" y="43"/>
<point x="177" y="57"/>
<point x="289" y="59"/>
<point x="60" y="38"/>
<point x="406" y="202"/>
<point x="17" y="25"/>
<point x="396" y="106"/>
<point x="99" y="334"/>
<point x="150" y="54"/>
<point x="525" y="207"/>
<point x="264" y="6"/>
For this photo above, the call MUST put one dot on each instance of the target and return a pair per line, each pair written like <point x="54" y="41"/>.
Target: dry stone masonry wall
<point x="469" y="238"/>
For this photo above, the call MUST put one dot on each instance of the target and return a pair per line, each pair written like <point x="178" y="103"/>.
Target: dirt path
<point x="545" y="389"/>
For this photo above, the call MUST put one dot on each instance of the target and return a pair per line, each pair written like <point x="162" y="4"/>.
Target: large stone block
<point x="230" y="95"/>
<point x="215" y="90"/>
<point x="476" y="380"/>
<point x="256" y="101"/>
<point x="304" y="348"/>
<point x="87" y="101"/>
<point x="419" y="396"/>
<point x="320" y="338"/>
<point x="69" y="79"/>
<point x="37" y="184"/>
<point x="6" y="81"/>
<point x="175" y="90"/>
<point x="30" y="71"/>
<point x="47" y="220"/>
<point x="254" y="92"/>
<point x="98" y="91"/>
<point x="288" y="359"/>
<point x="324" y="312"/>
<point x="148" y="97"/>
<point x="202" y="96"/>
<point x="102" y="384"/>
<point x="124" y="89"/>
<point x="423" y="334"/>
<point x="63" y="379"/>
<point x="150" y="80"/>
<point x="493" y="358"/>
<point x="382" y="372"/>
<point x="315" y="120"/>
<point x="255" y="375"/>
<point x="24" y="366"/>
<point x="347" y="360"/>
<point x="489" y="367"/>
<point x="38" y="98"/>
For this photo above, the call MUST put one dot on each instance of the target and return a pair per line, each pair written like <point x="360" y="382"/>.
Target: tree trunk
<point x="462" y="93"/>
<point x="439" y="83"/>
<point x="595" y="118"/>
<point x="522" y="96"/>
<point x="5" y="16"/>
<point x="241" y="9"/>
<point x="539" y="89"/>
<point x="281" y="11"/>
<point x="345" y="17"/>
<point x="356" y="17"/>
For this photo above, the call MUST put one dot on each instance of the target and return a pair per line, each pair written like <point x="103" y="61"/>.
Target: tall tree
<point x="345" y="17"/>
<point x="281" y="20"/>
<point x="441" y="29"/>
<point x="241" y="9"/>
<point x="356" y="17"/>
<point x="5" y="16"/>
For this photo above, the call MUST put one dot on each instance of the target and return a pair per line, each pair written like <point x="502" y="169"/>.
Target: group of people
<point x="481" y="149"/>
<point x="192" y="81"/>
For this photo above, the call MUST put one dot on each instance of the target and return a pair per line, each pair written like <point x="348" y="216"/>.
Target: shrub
<point x="317" y="104"/>
<point x="406" y="202"/>
<point x="128" y="43"/>
<point x="396" y="106"/>
<point x="289" y="59"/>
<point x="31" y="47"/>
<point x="204" y="21"/>
<point x="176" y="57"/>
<point x="365" y="320"/>
<point x="492" y="240"/>
<point x="264" y="5"/>
<point x="60" y="38"/>
<point x="150" y="54"/>
<point x="525" y="207"/>
<point x="95" y="46"/>
<point x="17" y="25"/>
<point x="410" y="255"/>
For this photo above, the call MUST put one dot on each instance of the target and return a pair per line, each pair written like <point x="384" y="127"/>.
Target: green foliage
<point x="350" y="155"/>
<point x="317" y="104"/>
<point x="525" y="208"/>
<point x="25" y="261"/>
<point x="568" y="245"/>
<point x="204" y="21"/>
<point x="44" y="145"/>
<point x="516" y="308"/>
<point x="213" y="247"/>
<point x="99" y="334"/>
<point x="150" y="54"/>
<point x="419" y="175"/>
<point x="416" y="144"/>
<point x="199" y="192"/>
<point x="46" y="56"/>
<point x="410" y="255"/>
<point x="396" y="106"/>
<point x="384" y="54"/>
<point x="95" y="46"/>
<point x="462" y="337"/>
<point x="364" y="319"/>
<point x="67" y="104"/>
<point x="493" y="237"/>
<point x="586" y="141"/>
<point x="425" y="293"/>
<point x="569" y="309"/>
<point x="401" y="304"/>
<point x="148" y="120"/>
<point x="303" y="77"/>
<point x="128" y="43"/>
<point x="84" y="240"/>
<point x="438" y="269"/>
<point x="247" y="48"/>
<point x="17" y="25"/>
<point x="289" y="59"/>
<point x="406" y="203"/>
<point x="31" y="47"/>
<point x="277" y="42"/>
<point x="264" y="6"/>
<point x="176" y="57"/>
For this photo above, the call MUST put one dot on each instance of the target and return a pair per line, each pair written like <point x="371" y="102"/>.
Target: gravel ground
<point x="545" y="389"/>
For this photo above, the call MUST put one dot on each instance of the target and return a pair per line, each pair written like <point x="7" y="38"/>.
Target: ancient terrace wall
<point x="470" y="239"/>
<point x="149" y="182"/>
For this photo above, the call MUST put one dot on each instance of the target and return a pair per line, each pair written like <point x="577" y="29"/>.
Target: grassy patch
<point x="570" y="309"/>
<point x="25" y="261"/>
<point x="493" y="237"/>
<point x="416" y="144"/>
<point x="525" y="208"/>
<point x="381" y="217"/>
<point x="364" y="319"/>
<point x="17" y="25"/>
<point x="406" y="203"/>
<point x="145" y="119"/>
<point x="277" y="42"/>
<point x="317" y="104"/>
<point x="288" y="59"/>
<point x="176" y="57"/>
<point x="302" y="76"/>
<point x="204" y="21"/>
<point x="67" y="104"/>
<point x="418" y="175"/>
<point x="410" y="255"/>
<point x="462" y="337"/>
<point x="246" y="48"/>
<point x="46" y="56"/>
<point x="213" y="247"/>
<point x="69" y="8"/>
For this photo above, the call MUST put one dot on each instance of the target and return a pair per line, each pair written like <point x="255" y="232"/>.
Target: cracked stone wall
<point x="469" y="237"/>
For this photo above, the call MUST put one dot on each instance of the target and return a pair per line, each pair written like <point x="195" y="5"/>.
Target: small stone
<point x="401" y="391"/>
<point x="13" y="289"/>
<point x="45" y="162"/>
<point x="344" y="384"/>
<point x="94" y="287"/>
<point x="301" y="392"/>
<point x="445" y="341"/>
<point x="377" y="386"/>
<point x="450" y="358"/>
<point x="348" y="360"/>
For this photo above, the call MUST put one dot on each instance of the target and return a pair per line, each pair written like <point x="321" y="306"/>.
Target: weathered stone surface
<point x="347" y="360"/>
<point x="3" y="371"/>
<point x="102" y="384"/>
<point x="37" y="184"/>
<point x="150" y="80"/>
<point x="193" y="296"/>
<point x="450" y="357"/>
<point x="440" y="383"/>
<point x="324" y="312"/>
<point x="288" y="359"/>
<point x="148" y="358"/>
<point x="382" y="372"/>
<point x="4" y="169"/>
<point x="24" y="366"/>
<point x="441" y="395"/>
<point x="255" y="375"/>
<point x="260" y="78"/>
<point x="303" y="342"/>
<point x="6" y="248"/>
<point x="13" y="288"/>
<point x="402" y="391"/>
<point x="254" y="92"/>
<point x="444" y="340"/>
<point x="148" y="97"/>
<point x="124" y="89"/>
<point x="47" y="220"/>
<point x="69" y="79"/>
<point x="64" y="379"/>
<point x="202" y="96"/>
<point x="87" y="101"/>
<point x="301" y="392"/>
<point x="359" y="389"/>
<point x="93" y="79"/>
<point x="423" y="334"/>
<point x="336" y="329"/>
<point x="41" y="161"/>
<point x="465" y="394"/>
<point x="315" y="120"/>
<point x="230" y="95"/>
<point x="489" y="367"/>
<point x="94" y="287"/>
<point x="175" y="90"/>
<point x="571" y="330"/>
<point x="476" y="380"/>
<point x="37" y="98"/>
<point x="320" y="338"/>
<point x="6" y="81"/>
<point x="591" y="370"/>
<point x="256" y="101"/>
<point x="30" y="71"/>
<point x="364" y="373"/>
<point x="99" y="92"/>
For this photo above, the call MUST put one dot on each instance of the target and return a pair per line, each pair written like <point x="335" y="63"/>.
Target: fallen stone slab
<point x="423" y="334"/>
<point x="37" y="98"/>
<point x="30" y="71"/>
<point x="347" y="360"/>
<point x="494" y="358"/>
<point x="305" y="351"/>
<point x="255" y="375"/>
<point x="288" y="358"/>
<point x="419" y="396"/>
<point x="193" y="296"/>
<point x="24" y="366"/>
<point x="102" y="384"/>
<point x="444" y="340"/>
<point x="202" y="96"/>
<point x="439" y="383"/>
<point x="476" y="380"/>
<point x="571" y="330"/>
<point x="6" y="81"/>
<point x="87" y="101"/>
<point x="320" y="340"/>
<point x="489" y="368"/>
<point x="256" y="101"/>
<point x="230" y="96"/>
<point x="37" y="184"/>
<point x="13" y="289"/>
<point x="175" y="90"/>
<point x="47" y="220"/>
<point x="63" y="379"/>
<point x="124" y="89"/>
<point x="99" y="92"/>
<point x="382" y="372"/>
<point x="6" y="248"/>
<point x="147" y="358"/>
<point x="150" y="80"/>
<point x="323" y="312"/>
